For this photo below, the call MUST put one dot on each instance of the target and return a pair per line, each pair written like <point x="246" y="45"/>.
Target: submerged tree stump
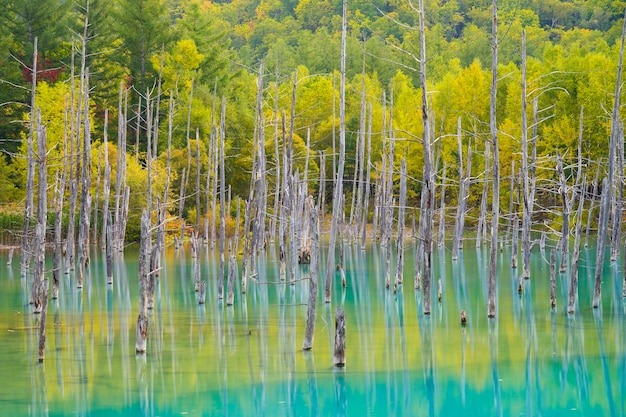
<point x="202" y="293"/>
<point x="339" y="357"/>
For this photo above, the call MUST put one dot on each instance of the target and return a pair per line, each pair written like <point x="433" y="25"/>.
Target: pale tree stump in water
<point x="339" y="358"/>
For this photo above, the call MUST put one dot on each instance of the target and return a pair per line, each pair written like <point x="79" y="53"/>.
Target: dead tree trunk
<point x="309" y="332"/>
<point x="527" y="203"/>
<point x="553" y="279"/>
<point x="366" y="197"/>
<point x="338" y="191"/>
<point x="615" y="132"/>
<point x="220" y="278"/>
<point x="339" y="357"/>
<point x="232" y="276"/>
<point x="573" y="281"/>
<point x="401" y="211"/>
<point x="106" y="187"/>
<point x="429" y="181"/>
<point x="618" y="207"/>
<point x="40" y="229"/>
<point x="481" y="233"/>
<point x="442" y="211"/>
<point x="493" y="127"/>
<point x="30" y="170"/>
<point x="564" y="240"/>
<point x="120" y="180"/>
<point x="144" y="253"/>
<point x="85" y="207"/>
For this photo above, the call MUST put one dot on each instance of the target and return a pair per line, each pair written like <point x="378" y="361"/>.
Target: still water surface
<point x="246" y="360"/>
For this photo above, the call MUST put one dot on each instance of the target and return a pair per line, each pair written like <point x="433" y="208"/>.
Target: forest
<point x="188" y="55"/>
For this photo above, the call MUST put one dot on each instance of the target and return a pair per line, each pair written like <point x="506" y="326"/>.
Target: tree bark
<point x="573" y="281"/>
<point x="429" y="181"/>
<point x="30" y="170"/>
<point x="339" y="357"/>
<point x="615" y="132"/>
<point x="144" y="253"/>
<point x="491" y="285"/>
<point x="338" y="191"/>
<point x="309" y="332"/>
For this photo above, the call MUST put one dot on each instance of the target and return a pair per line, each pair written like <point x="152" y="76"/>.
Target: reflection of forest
<point x="246" y="358"/>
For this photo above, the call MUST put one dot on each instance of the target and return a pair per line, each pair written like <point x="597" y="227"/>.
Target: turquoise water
<point x="246" y="360"/>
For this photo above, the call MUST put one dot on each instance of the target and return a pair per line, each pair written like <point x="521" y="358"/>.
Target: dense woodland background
<point x="207" y="50"/>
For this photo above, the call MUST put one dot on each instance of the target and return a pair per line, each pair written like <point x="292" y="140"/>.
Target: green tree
<point x="144" y="27"/>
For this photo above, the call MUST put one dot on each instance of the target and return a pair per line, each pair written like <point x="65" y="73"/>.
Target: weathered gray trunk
<point x="338" y="191"/>
<point x="527" y="203"/>
<point x="563" y="244"/>
<point x="85" y="207"/>
<point x="39" y="245"/>
<point x="429" y="180"/>
<point x="573" y="280"/>
<point x="30" y="170"/>
<point x="441" y="235"/>
<point x="106" y="187"/>
<point x="144" y="254"/>
<point x="199" y="212"/>
<point x="120" y="180"/>
<point x="401" y="215"/>
<point x="309" y="332"/>
<point x="464" y="179"/>
<point x="109" y="248"/>
<point x="232" y="276"/>
<point x="615" y="132"/>
<point x="339" y="356"/>
<point x="553" y="278"/>
<point x="220" y="278"/>
<point x="618" y="207"/>
<point x="481" y="232"/>
<point x="594" y="196"/>
<point x="366" y="197"/>
<point x="493" y="127"/>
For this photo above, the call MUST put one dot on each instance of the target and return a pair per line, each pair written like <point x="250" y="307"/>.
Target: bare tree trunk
<point x="594" y="195"/>
<point x="481" y="233"/>
<point x="94" y="206"/>
<point x="198" y="207"/>
<point x="618" y="207"/>
<point x="615" y="132"/>
<point x="339" y="357"/>
<point x="459" y="224"/>
<point x="338" y="191"/>
<point x="309" y="332"/>
<point x="429" y="181"/>
<point x="40" y="229"/>
<point x="564" y="240"/>
<point x="553" y="279"/>
<point x="442" y="211"/>
<point x="30" y="170"/>
<point x="109" y="248"/>
<point x="232" y="276"/>
<point x="366" y="197"/>
<point x="85" y="207"/>
<point x="120" y="180"/>
<point x="493" y="127"/>
<point x="401" y="211"/>
<point x="515" y="229"/>
<point x="106" y="182"/>
<point x="220" y="278"/>
<point x="573" y="281"/>
<point x="527" y="203"/>
<point x="144" y="253"/>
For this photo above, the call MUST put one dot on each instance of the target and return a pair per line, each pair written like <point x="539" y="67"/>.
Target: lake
<point x="246" y="360"/>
